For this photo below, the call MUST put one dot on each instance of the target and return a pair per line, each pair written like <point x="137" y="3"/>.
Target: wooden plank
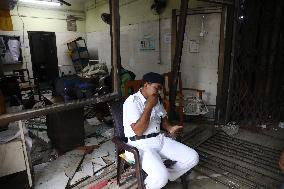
<point x="173" y="36"/>
<point x="221" y="61"/>
<point x="26" y="156"/>
<point x="178" y="54"/>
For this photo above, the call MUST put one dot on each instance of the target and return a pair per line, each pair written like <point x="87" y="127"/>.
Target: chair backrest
<point x="133" y="85"/>
<point x="116" y="110"/>
<point x="167" y="85"/>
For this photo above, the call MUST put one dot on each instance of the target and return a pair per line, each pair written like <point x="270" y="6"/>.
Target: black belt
<point x="143" y="136"/>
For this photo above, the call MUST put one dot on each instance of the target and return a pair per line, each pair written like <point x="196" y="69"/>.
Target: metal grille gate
<point x="256" y="81"/>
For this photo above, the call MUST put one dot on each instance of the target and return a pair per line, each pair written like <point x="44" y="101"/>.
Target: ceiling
<point x="78" y="5"/>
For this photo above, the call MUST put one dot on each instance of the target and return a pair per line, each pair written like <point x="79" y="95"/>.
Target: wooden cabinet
<point x="14" y="157"/>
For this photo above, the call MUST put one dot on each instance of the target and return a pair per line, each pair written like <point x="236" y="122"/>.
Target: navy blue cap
<point x="152" y="77"/>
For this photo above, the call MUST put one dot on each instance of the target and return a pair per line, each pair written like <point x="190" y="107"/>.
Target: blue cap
<point x="152" y="77"/>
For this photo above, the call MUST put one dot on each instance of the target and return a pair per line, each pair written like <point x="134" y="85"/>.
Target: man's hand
<point x="175" y="130"/>
<point x="152" y="100"/>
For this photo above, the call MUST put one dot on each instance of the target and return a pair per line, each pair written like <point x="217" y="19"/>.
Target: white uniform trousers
<point x="153" y="150"/>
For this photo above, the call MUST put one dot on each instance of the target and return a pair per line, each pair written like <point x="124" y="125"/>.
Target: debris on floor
<point x="77" y="165"/>
<point x="281" y="125"/>
<point x="55" y="175"/>
<point x="231" y="128"/>
<point x="263" y="126"/>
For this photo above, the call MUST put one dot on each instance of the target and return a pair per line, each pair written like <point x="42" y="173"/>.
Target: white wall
<point x="38" y="19"/>
<point x="199" y="70"/>
<point x="62" y="55"/>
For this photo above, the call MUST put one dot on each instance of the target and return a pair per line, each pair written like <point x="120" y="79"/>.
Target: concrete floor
<point x="272" y="137"/>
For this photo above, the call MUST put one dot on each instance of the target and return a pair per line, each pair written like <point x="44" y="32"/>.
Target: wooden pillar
<point x="173" y="36"/>
<point x="221" y="62"/>
<point x="115" y="44"/>
<point x="233" y="57"/>
<point x="177" y="56"/>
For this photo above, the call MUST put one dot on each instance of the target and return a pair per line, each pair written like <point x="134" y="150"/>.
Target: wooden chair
<point x="180" y="94"/>
<point x="132" y="86"/>
<point x="116" y="109"/>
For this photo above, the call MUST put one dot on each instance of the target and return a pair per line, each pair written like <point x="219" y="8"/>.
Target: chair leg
<point x="184" y="182"/>
<point x="139" y="176"/>
<point x="120" y="167"/>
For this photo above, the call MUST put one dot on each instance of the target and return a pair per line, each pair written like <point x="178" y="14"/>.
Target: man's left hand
<point x="175" y="130"/>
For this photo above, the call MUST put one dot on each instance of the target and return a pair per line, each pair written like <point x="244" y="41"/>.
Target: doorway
<point x="44" y="58"/>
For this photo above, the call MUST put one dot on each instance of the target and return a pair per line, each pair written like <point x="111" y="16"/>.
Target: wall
<point x="199" y="70"/>
<point x="131" y="12"/>
<point x="39" y="19"/>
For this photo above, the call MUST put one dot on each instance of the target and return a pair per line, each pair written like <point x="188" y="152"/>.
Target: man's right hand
<point x="152" y="100"/>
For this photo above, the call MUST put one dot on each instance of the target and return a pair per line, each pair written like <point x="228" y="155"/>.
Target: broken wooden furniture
<point x="132" y="86"/>
<point x="180" y="99"/>
<point x="11" y="90"/>
<point x="116" y="109"/>
<point x="24" y="80"/>
<point x="79" y="53"/>
<point x="14" y="156"/>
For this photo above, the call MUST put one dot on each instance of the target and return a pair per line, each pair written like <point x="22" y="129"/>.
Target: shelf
<point x="12" y="63"/>
<point x="82" y="49"/>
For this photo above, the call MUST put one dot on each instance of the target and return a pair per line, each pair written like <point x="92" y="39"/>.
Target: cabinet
<point x="66" y="129"/>
<point x="14" y="157"/>
<point x="79" y="53"/>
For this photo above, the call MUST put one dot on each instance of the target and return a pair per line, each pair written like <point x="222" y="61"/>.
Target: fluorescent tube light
<point x="49" y="3"/>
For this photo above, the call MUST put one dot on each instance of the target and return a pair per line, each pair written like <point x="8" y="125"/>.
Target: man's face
<point x="153" y="88"/>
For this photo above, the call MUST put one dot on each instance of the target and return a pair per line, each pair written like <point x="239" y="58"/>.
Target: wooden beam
<point x="202" y="10"/>
<point x="173" y="36"/>
<point x="233" y="59"/>
<point x="222" y="2"/>
<point x="177" y="56"/>
<point x="221" y="61"/>
<point x="115" y="39"/>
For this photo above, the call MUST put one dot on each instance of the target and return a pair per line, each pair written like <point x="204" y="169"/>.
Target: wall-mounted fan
<point x="64" y="2"/>
<point x="106" y="18"/>
<point x="158" y="6"/>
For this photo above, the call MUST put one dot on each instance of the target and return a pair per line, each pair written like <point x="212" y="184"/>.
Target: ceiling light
<point x="49" y="3"/>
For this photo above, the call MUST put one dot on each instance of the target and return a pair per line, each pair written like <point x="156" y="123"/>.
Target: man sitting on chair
<point x="142" y="114"/>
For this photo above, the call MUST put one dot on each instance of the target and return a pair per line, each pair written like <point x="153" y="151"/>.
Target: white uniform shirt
<point x="133" y="108"/>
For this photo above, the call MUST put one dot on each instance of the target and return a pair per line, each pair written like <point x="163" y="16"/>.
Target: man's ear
<point x="145" y="84"/>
